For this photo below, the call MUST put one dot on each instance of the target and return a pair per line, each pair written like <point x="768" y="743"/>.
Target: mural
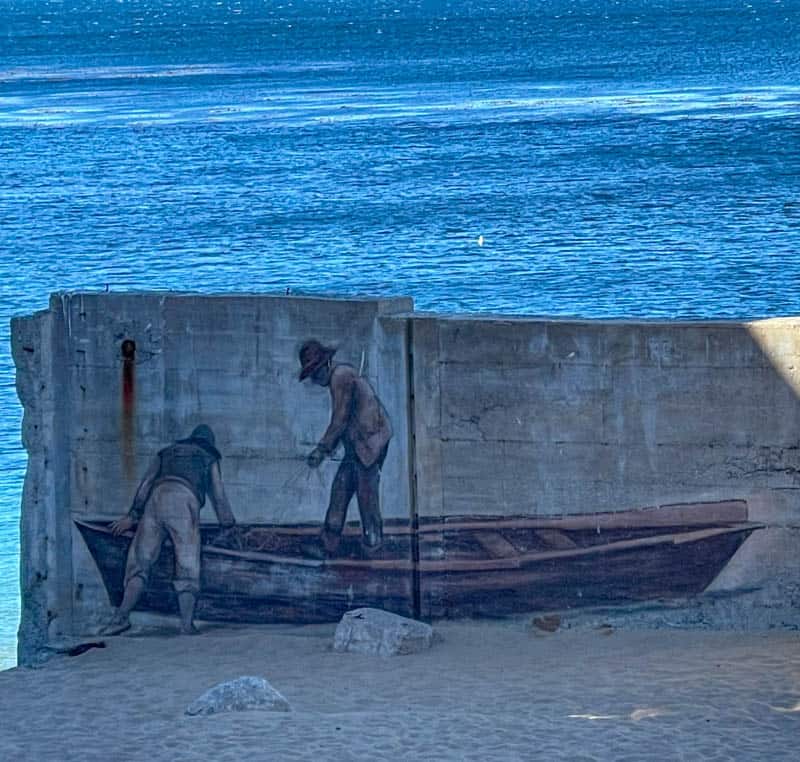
<point x="360" y="423"/>
<point x="167" y="504"/>
<point x="501" y="565"/>
<point x="158" y="557"/>
<point x="467" y="566"/>
<point x="264" y="573"/>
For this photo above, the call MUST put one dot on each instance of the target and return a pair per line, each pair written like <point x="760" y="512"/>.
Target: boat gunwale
<point x="705" y="513"/>
<point x="465" y="565"/>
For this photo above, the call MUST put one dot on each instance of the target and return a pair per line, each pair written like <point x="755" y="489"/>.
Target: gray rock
<point x="239" y="695"/>
<point x="373" y="631"/>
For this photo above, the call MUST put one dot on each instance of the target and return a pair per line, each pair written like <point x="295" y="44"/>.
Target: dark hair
<point x="203" y="432"/>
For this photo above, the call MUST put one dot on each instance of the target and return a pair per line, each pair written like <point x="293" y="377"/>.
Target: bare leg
<point x="142" y="555"/>
<point x="121" y="619"/>
<point x="133" y="591"/>
<point x="186" y="605"/>
<point x="181" y="512"/>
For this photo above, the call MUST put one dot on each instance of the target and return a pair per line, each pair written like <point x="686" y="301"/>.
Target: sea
<point x="589" y="158"/>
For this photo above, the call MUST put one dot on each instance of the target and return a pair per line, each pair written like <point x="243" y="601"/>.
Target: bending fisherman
<point x="168" y="502"/>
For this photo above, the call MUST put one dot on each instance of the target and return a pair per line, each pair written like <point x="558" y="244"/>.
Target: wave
<point x="34" y="74"/>
<point x="234" y="102"/>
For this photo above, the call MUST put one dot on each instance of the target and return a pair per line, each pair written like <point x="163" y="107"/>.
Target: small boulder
<point x="373" y="631"/>
<point x="239" y="695"/>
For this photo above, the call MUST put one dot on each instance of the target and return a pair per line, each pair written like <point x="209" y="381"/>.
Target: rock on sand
<point x="373" y="631"/>
<point x="238" y="695"/>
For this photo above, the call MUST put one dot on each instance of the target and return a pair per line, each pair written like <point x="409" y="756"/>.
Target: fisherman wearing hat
<point x="360" y="422"/>
<point x="168" y="502"/>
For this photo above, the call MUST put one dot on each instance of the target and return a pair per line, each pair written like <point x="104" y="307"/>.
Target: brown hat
<point x="312" y="356"/>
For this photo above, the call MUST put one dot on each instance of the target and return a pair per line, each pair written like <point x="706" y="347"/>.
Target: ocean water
<point x="594" y="158"/>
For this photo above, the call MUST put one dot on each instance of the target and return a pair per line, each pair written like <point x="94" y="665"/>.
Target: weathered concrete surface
<point x="569" y="417"/>
<point x="770" y="607"/>
<point x="381" y="633"/>
<point x="46" y="555"/>
<point x="239" y="695"/>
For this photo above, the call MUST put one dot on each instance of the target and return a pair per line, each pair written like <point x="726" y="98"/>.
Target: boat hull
<point x="659" y="571"/>
<point x="238" y="588"/>
<point x="446" y="568"/>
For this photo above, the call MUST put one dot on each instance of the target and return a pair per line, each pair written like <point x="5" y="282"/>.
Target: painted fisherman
<point x="360" y="423"/>
<point x="168" y="503"/>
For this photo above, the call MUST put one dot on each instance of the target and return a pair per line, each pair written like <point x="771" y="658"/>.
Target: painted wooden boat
<point x="444" y="567"/>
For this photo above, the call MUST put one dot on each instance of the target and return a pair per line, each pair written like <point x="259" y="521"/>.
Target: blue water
<point x="633" y="158"/>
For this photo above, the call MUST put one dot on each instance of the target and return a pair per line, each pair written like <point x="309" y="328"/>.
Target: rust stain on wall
<point x="128" y="407"/>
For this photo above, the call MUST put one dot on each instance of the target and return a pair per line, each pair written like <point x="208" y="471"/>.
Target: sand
<point x="489" y="690"/>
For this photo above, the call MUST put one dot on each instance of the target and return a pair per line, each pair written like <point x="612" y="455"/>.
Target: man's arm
<point x="221" y="505"/>
<point x="145" y="488"/>
<point x="124" y="523"/>
<point x="341" y="404"/>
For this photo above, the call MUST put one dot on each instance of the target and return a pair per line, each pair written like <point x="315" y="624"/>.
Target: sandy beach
<point x="488" y="690"/>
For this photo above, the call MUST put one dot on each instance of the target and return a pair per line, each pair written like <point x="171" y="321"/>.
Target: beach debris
<point x="74" y="647"/>
<point x="545" y="624"/>
<point x="241" y="694"/>
<point x="82" y="648"/>
<point x="378" y="632"/>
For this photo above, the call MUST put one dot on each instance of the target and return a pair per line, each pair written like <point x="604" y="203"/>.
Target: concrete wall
<point x="549" y="417"/>
<point x="45" y="534"/>
<point x="507" y="416"/>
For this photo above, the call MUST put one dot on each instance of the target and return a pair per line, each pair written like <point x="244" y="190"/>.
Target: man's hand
<point x="230" y="537"/>
<point x="315" y="457"/>
<point x="121" y="525"/>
